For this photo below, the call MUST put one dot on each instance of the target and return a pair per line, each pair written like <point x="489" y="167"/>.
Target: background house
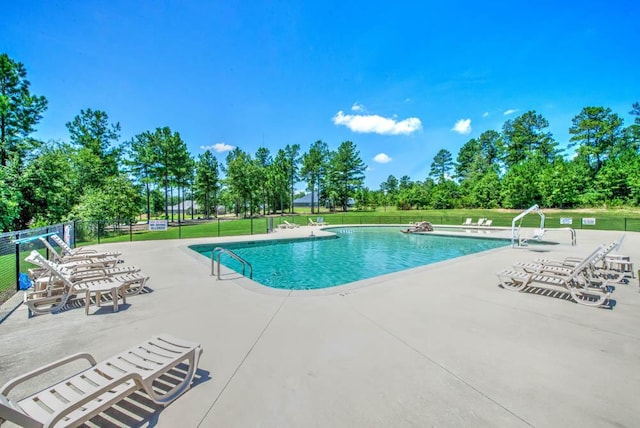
<point x="305" y="201"/>
<point x="186" y="207"/>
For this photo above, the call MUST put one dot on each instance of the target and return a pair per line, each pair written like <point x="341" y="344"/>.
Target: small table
<point x="98" y="289"/>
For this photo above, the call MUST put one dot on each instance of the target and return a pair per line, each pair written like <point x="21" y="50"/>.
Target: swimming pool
<point x="355" y="253"/>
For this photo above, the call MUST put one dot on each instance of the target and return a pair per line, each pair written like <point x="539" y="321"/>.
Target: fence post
<point x="218" y="226"/>
<point x="47" y="249"/>
<point x="17" y="262"/>
<point x="130" y="232"/>
<point x="625" y="224"/>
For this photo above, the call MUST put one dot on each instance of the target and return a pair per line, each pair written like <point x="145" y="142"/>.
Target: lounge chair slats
<point x="37" y="411"/>
<point x="70" y="391"/>
<point x="66" y="249"/>
<point x="92" y="391"/>
<point x="70" y="260"/>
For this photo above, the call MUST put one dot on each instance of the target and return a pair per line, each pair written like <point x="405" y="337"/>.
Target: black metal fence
<point x="15" y="246"/>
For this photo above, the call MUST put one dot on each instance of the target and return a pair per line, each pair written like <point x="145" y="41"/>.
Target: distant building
<point x="305" y="201"/>
<point x="186" y="207"/>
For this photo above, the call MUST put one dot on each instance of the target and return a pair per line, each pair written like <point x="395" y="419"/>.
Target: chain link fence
<point x="15" y="246"/>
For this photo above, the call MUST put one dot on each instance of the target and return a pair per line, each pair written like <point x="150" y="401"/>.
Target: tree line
<point x="522" y="165"/>
<point x="96" y="176"/>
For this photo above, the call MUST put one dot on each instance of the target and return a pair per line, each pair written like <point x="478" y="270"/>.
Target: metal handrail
<point x="222" y="251"/>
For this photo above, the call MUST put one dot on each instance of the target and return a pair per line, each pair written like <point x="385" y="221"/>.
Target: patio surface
<point x="439" y="345"/>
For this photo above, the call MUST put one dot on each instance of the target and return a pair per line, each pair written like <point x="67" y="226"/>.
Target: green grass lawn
<point x="622" y="220"/>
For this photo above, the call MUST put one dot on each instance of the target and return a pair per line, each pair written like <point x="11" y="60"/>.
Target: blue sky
<point x="401" y="80"/>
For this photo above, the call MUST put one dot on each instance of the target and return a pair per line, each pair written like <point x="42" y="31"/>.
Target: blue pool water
<point x="355" y="253"/>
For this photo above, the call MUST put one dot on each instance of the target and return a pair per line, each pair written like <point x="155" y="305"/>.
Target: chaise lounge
<point x="95" y="258"/>
<point x="150" y="367"/>
<point x="598" y="269"/>
<point x="81" y="252"/>
<point x="576" y="283"/>
<point x="61" y="288"/>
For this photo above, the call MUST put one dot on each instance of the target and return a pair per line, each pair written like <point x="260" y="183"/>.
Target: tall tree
<point x="9" y="200"/>
<point x="405" y="182"/>
<point x="20" y="111"/>
<point x="207" y="183"/>
<point x="263" y="160"/>
<point x="97" y="143"/>
<point x="347" y="172"/>
<point x="635" y="111"/>
<point x="477" y="167"/>
<point x="181" y="171"/>
<point x="241" y="179"/>
<point x="277" y="177"/>
<point x="632" y="132"/>
<point x="595" y="131"/>
<point x="467" y="156"/>
<point x="525" y="138"/>
<point x="140" y="164"/>
<point x="293" y="159"/>
<point x="167" y="148"/>
<point x="389" y="189"/>
<point x="52" y="187"/>
<point x="313" y="165"/>
<point x="441" y="166"/>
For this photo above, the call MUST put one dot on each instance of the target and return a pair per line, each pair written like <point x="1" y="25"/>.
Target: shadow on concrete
<point x="138" y="410"/>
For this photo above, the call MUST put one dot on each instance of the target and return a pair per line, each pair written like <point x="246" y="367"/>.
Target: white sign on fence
<point x="566" y="220"/>
<point x="156" y="225"/>
<point x="589" y="221"/>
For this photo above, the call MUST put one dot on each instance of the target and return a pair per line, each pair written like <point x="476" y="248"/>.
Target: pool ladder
<point x="220" y="251"/>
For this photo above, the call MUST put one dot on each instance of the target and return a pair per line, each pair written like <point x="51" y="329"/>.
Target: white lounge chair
<point x="42" y="276"/>
<point x="76" y="399"/>
<point x="106" y="260"/>
<point x="487" y="223"/>
<point x="577" y="283"/>
<point x="480" y="222"/>
<point x="61" y="288"/>
<point x="82" y="252"/>
<point x="290" y="225"/>
<point x="468" y="222"/>
<point x="600" y="267"/>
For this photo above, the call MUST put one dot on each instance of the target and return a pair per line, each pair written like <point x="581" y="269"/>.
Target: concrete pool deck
<point x="439" y="345"/>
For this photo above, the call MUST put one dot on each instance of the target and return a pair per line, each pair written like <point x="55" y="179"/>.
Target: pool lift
<point x="515" y="231"/>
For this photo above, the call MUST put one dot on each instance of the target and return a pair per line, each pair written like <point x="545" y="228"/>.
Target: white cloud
<point x="485" y="114"/>
<point x="463" y="126"/>
<point x="510" y="111"/>
<point x="357" y="107"/>
<point x="382" y="158"/>
<point x="377" y="124"/>
<point x="218" y="147"/>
